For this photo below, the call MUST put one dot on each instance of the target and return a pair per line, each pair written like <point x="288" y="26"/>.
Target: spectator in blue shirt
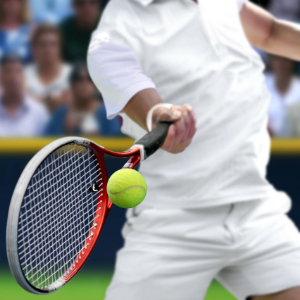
<point x="85" y="115"/>
<point x="19" y="114"/>
<point x="50" y="11"/>
<point x="15" y="29"/>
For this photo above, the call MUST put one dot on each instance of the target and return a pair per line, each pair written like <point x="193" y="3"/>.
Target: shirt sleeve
<point x="116" y="73"/>
<point x="241" y="3"/>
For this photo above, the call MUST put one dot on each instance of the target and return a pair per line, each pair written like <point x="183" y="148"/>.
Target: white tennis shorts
<point x="251" y="248"/>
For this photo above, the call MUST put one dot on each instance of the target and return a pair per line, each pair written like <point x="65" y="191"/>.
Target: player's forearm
<point x="140" y="104"/>
<point x="118" y="75"/>
<point x="180" y="133"/>
<point x="284" y="40"/>
<point x="270" y="34"/>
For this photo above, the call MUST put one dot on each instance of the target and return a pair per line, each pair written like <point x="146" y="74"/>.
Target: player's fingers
<point x="177" y="124"/>
<point x="188" y="123"/>
<point x="180" y="131"/>
<point x="180" y="147"/>
<point x="188" y="120"/>
<point x="193" y="123"/>
<point x="169" y="142"/>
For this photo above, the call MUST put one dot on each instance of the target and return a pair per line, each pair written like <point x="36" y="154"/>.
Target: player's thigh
<point x="267" y="260"/>
<point x="163" y="259"/>
<point x="291" y="294"/>
<point x="152" y="276"/>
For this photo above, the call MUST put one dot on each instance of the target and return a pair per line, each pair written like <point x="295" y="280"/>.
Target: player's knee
<point x="291" y="294"/>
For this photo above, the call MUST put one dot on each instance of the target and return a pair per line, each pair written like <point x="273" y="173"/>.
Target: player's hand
<point x="181" y="133"/>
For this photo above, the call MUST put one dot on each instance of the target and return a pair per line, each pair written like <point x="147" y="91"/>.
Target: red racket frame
<point x="104" y="204"/>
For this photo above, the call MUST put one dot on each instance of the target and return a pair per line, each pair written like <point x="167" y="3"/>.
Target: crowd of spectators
<point x="45" y="88"/>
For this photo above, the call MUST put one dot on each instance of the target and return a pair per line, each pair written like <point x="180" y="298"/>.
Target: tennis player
<point x="210" y="212"/>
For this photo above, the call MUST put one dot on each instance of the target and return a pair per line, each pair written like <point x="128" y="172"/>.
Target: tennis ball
<point x="127" y="188"/>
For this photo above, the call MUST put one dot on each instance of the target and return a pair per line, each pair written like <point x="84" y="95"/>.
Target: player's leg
<point x="266" y="258"/>
<point x="153" y="276"/>
<point x="291" y="294"/>
<point x="169" y="255"/>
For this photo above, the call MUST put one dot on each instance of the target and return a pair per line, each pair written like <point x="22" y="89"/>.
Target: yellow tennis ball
<point x="127" y="188"/>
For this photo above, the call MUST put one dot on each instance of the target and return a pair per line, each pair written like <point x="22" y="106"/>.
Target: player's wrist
<point x="149" y="120"/>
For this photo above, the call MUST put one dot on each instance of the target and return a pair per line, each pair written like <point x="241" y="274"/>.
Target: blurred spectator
<point x="284" y="87"/>
<point x="50" y="11"/>
<point x="19" y="115"/>
<point x="286" y="9"/>
<point x="86" y="115"/>
<point x="293" y="113"/>
<point x="15" y="28"/>
<point x="77" y="30"/>
<point x="47" y="79"/>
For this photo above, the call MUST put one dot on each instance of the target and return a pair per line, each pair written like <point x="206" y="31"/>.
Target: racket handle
<point x="153" y="140"/>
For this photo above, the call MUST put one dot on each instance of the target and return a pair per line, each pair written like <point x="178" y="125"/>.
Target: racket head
<point x="57" y="214"/>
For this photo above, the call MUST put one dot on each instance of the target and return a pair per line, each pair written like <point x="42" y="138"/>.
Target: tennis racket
<point x="59" y="208"/>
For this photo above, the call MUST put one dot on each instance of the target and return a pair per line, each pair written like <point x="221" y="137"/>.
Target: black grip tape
<point x="153" y="140"/>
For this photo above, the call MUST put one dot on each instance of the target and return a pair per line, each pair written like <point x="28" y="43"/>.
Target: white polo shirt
<point x="197" y="54"/>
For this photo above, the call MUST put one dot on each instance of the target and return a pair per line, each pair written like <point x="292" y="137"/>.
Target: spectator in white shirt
<point x="284" y="87"/>
<point x="47" y="79"/>
<point x="19" y="114"/>
<point x="293" y="112"/>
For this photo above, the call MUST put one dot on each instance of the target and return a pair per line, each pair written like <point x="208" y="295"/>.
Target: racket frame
<point x="143" y="148"/>
<point x="134" y="155"/>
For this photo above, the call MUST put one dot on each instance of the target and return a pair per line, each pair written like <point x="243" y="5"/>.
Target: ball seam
<point x="130" y="188"/>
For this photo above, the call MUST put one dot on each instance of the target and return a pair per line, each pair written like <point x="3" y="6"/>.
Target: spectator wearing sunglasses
<point x="85" y="115"/>
<point x="47" y="79"/>
<point x="77" y="29"/>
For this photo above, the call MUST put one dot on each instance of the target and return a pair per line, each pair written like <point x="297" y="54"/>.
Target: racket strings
<point x="70" y="260"/>
<point x="46" y="258"/>
<point x="52" y="206"/>
<point x="55" y="244"/>
<point x="57" y="214"/>
<point x="24" y="232"/>
<point x="39" y="187"/>
<point x="51" y="163"/>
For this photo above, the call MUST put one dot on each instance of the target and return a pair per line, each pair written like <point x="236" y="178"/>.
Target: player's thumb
<point x="164" y="114"/>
